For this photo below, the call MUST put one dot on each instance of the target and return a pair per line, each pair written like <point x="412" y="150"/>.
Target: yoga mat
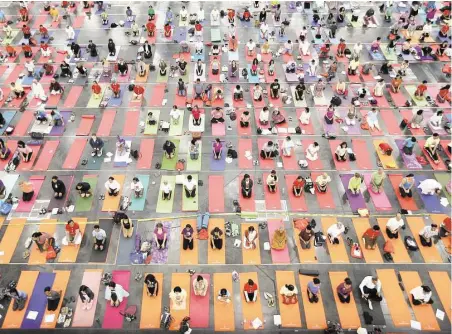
<point x="250" y="256"/>
<point x="378" y="56"/>
<point x="84" y="203"/>
<point x="127" y="246"/>
<point x="290" y="314"/>
<point x="194" y="165"/>
<point x="59" y="284"/>
<point x="363" y="159"/>
<point x="112" y="317"/>
<point x="170" y="164"/>
<point x="387" y="161"/>
<point x="253" y="79"/>
<point x="101" y="256"/>
<point x="278" y="256"/>
<point x="297" y="204"/>
<point x="38" y="301"/>
<point x="218" y="129"/>
<point x="441" y="282"/>
<point x="391" y="122"/>
<point x="93" y="102"/>
<point x="73" y="96"/>
<point x="48" y="151"/>
<point x="411" y="90"/>
<point x="197" y="128"/>
<point x="177" y="129"/>
<point x="438" y="167"/>
<point x="257" y="104"/>
<point x="405" y="203"/>
<point x="307" y="128"/>
<point x="180" y="101"/>
<point x="215" y="35"/>
<point x="74" y="153"/>
<point x="161" y="256"/>
<point x="111" y="203"/>
<point x="325" y="200"/>
<point x="217" y="256"/>
<point x="191" y="204"/>
<point x="223" y="312"/>
<point x="138" y="204"/>
<point x="245" y="145"/>
<point x="151" y="307"/>
<point x="314" y="312"/>
<point x="130" y="126"/>
<point x="199" y="305"/>
<point x="247" y="204"/>
<point x="216" y="198"/>
<point x="59" y="130"/>
<point x="381" y="200"/>
<point x="166" y="206"/>
<point x="116" y="101"/>
<point x="60" y="203"/>
<point x="253" y="310"/>
<point x="146" y="151"/>
<point x="106" y="123"/>
<point x="305" y="255"/>
<point x="356" y="201"/>
<point x="361" y="225"/>
<point x="400" y="254"/>
<point x="338" y="253"/>
<point x="389" y="55"/>
<point x="36" y="256"/>
<point x="9" y="241"/>
<point x="84" y="127"/>
<point x="431" y="202"/>
<point x="178" y="313"/>
<point x="340" y="165"/>
<point x="152" y="129"/>
<point x="78" y="22"/>
<point x="444" y="180"/>
<point x="37" y="182"/>
<point x="409" y="161"/>
<point x="68" y="254"/>
<point x="272" y="200"/>
<point x="430" y="254"/>
<point x="158" y="94"/>
<point x="85" y="318"/>
<point x="8" y="116"/>
<point x="348" y="314"/>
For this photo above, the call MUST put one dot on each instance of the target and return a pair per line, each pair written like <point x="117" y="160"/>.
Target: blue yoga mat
<point x="126" y="246"/>
<point x="38" y="301"/>
<point x="116" y="101"/>
<point x="8" y="116"/>
<point x="252" y="78"/>
<point x="215" y="35"/>
<point x="180" y="34"/>
<point x="356" y="201"/>
<point x="246" y="24"/>
<point x="46" y="39"/>
<point x="197" y="57"/>
<point x="376" y="55"/>
<point x="139" y="203"/>
<point x="431" y="202"/>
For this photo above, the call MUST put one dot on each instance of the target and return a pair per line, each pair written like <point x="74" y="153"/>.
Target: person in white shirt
<point x="215" y="17"/>
<point x="393" y="226"/>
<point x="70" y="32"/>
<point x="312" y="69"/>
<point x="335" y="231"/>
<point x="288" y="47"/>
<point x="305" y="116"/>
<point x="183" y="14"/>
<point x="199" y="47"/>
<point x="99" y="237"/>
<point x="304" y="46"/>
<point x="426" y="31"/>
<point x="167" y="190"/>
<point x="112" y="186"/>
<point x="257" y="93"/>
<point x="251" y="46"/>
<point x="201" y="14"/>
<point x="264" y="116"/>
<point x="38" y="91"/>
<point x="175" y="115"/>
<point x="436" y="120"/>
<point x="372" y="120"/>
<point x="421" y="295"/>
<point x="427" y="234"/>
<point x="115" y="293"/>
<point x="178" y="298"/>
<point x="379" y="88"/>
<point x="30" y="66"/>
<point x="321" y="182"/>
<point x="357" y="49"/>
<point x="190" y="187"/>
<point x="312" y="151"/>
<point x="430" y="187"/>
<point x="289" y="293"/>
<point x="232" y="31"/>
<point x="264" y="30"/>
<point x="137" y="187"/>
<point x="287" y="146"/>
<point x="371" y="289"/>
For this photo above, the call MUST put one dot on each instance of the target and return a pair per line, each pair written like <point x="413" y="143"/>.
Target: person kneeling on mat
<point x="169" y="149"/>
<point x="393" y="226"/>
<point x="178" y="298"/>
<point x="187" y="237"/>
<point x="269" y="150"/>
<point x="138" y="92"/>
<point x="247" y="186"/>
<point x="335" y="231"/>
<point x="431" y="147"/>
<point x="17" y="89"/>
<point x="58" y="187"/>
<point x="97" y="145"/>
<point x="99" y="237"/>
<point x="53" y="298"/>
<point x="420" y="90"/>
<point x="217" y="149"/>
<point x="25" y="151"/>
<point x="84" y="189"/>
<point x="430" y="187"/>
<point x="123" y="68"/>
<point x="137" y="187"/>
<point x="115" y="293"/>
<point x="421" y="295"/>
<point x="19" y="297"/>
<point x="376" y="180"/>
<point x="73" y="235"/>
<point x="289" y="293"/>
<point x="160" y="236"/>
<point x="112" y="186"/>
<point x="166" y="190"/>
<point x="406" y="186"/>
<point x="297" y="186"/>
<point x="313" y="290"/>
<point x="27" y="190"/>
<point x="344" y="290"/>
<point x="115" y="88"/>
<point x="86" y="296"/>
<point x="152" y="285"/>
<point x="354" y="185"/>
<point x="371" y="289"/>
<point x="370" y="236"/>
<point x="427" y="234"/>
<point x="272" y="181"/>
<point x="216" y="238"/>
<point x="250" y="291"/>
<point x="190" y="187"/>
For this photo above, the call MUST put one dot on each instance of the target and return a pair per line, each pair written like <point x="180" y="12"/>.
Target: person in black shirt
<point x="169" y="149"/>
<point x="84" y="189"/>
<point x="299" y="91"/>
<point x="152" y="285"/>
<point x="75" y="49"/>
<point x="92" y="49"/>
<point x="263" y="15"/>
<point x="274" y="89"/>
<point x="122" y="67"/>
<point x="58" y="187"/>
<point x="111" y="48"/>
<point x="65" y="69"/>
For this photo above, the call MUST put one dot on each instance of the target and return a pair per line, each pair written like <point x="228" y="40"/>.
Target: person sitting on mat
<point x="289" y="293"/>
<point x="313" y="290"/>
<point x="305" y="236"/>
<point x="150" y="28"/>
<point x="421" y="295"/>
<point x="300" y="88"/>
<point x="269" y="150"/>
<point x="86" y="296"/>
<point x="254" y="67"/>
<point x="73" y="235"/>
<point x="57" y="119"/>
<point x="334" y="232"/>
<point x="216" y="238"/>
<point x="190" y="187"/>
<point x="123" y="68"/>
<point x="277" y="117"/>
<point x="224" y="296"/>
<point x="169" y="149"/>
<point x="41" y="240"/>
<point x="444" y="94"/>
<point x="96" y="89"/>
<point x="138" y="92"/>
<point x="319" y="87"/>
<point x="111" y="48"/>
<point x="48" y="69"/>
<point x="264" y="116"/>
<point x="341" y="152"/>
<point x="58" y="187"/>
<point x="305" y="116"/>
<point x="45" y="50"/>
<point x="115" y="293"/>
<point x="200" y="286"/>
<point x="354" y="185"/>
<point x="152" y="285"/>
<point x="5" y="152"/>
<point x="181" y="88"/>
<point x="408" y="145"/>
<point x="245" y="119"/>
<point x="27" y="189"/>
<point x="84" y="189"/>
<point x="217" y="116"/>
<point x="76" y="50"/>
<point x="279" y="239"/>
<point x="274" y="89"/>
<point x="41" y="115"/>
<point x="53" y="298"/>
<point x="238" y="93"/>
<point x="297" y="186"/>
<point x="217" y="149"/>
<point x="24" y="151"/>
<point x="112" y="186"/>
<point x="344" y="291"/>
<point x="420" y="90"/>
<point x="65" y="69"/>
<point x="250" y="238"/>
<point x="372" y="120"/>
<point x="287" y="146"/>
<point x="81" y="69"/>
<point x="175" y="115"/>
<point x="427" y="234"/>
<point x="250" y="291"/>
<point x="396" y="83"/>
<point x="406" y="186"/>
<point x="379" y="88"/>
<point x="198" y="89"/>
<point x="160" y="236"/>
<point x="436" y="120"/>
<point x="137" y="187"/>
<point x="99" y="238"/>
<point x="304" y="46"/>
<point x="393" y="226"/>
<point x="10" y="50"/>
<point x="431" y="147"/>
<point x="27" y="50"/>
<point x="321" y="182"/>
<point x="247" y="186"/>
<point x="376" y="180"/>
<point x="417" y="119"/>
<point x="370" y="288"/>
<point x="115" y="88"/>
<point x="194" y="149"/>
<point x="257" y="92"/>
<point x="370" y="236"/>
<point x="218" y="94"/>
<point x="187" y="237"/>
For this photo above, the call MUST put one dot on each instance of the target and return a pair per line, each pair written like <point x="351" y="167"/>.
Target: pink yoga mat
<point x="307" y="128"/>
<point x="317" y="164"/>
<point x="381" y="201"/>
<point x="325" y="200"/>
<point x="361" y="150"/>
<point x="12" y="77"/>
<point x="106" y="123"/>
<point x="53" y="100"/>
<point x="245" y="145"/>
<point x="146" y="150"/>
<point x="131" y="123"/>
<point x="296" y="203"/>
<point x="46" y="155"/>
<point x="24" y="123"/>
<point x="124" y="78"/>
<point x="218" y="102"/>
<point x="73" y="96"/>
<point x="340" y="165"/>
<point x="276" y="102"/>
<point x="199" y="306"/>
<point x="381" y="101"/>
<point x="243" y="131"/>
<point x="265" y="163"/>
<point x="86" y="122"/>
<point x="218" y="129"/>
<point x="85" y="318"/>
<point x="25" y="166"/>
<point x="278" y="256"/>
<point x="78" y="21"/>
<point x="157" y="95"/>
<point x="216" y="196"/>
<point x="247" y="204"/>
<point x="74" y="154"/>
<point x="37" y="182"/>
<point x="213" y="77"/>
<point x="272" y="200"/>
<point x="398" y="98"/>
<point x="112" y="318"/>
<point x="179" y="101"/>
<point x="239" y="103"/>
<point x="391" y="122"/>
<point x="257" y="104"/>
<point x="289" y="163"/>
<point x="40" y="19"/>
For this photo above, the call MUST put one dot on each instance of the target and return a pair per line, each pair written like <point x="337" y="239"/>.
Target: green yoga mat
<point x="14" y="33"/>
<point x="388" y="55"/>
<point x="195" y="165"/>
<point x="356" y="24"/>
<point x="245" y="214"/>
<point x="152" y="129"/>
<point x="215" y="35"/>
<point x="420" y="103"/>
<point x="190" y="204"/>
<point x="170" y="164"/>
<point x="162" y="78"/>
<point x="186" y="77"/>
<point x="177" y="129"/>
<point x="165" y="206"/>
<point x="444" y="179"/>
<point x="84" y="203"/>
<point x="93" y="102"/>
<point x="139" y="203"/>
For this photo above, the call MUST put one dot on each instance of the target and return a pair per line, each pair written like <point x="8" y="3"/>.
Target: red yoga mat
<point x="112" y="317"/>
<point x="216" y="193"/>
<point x="246" y="204"/>
<point x="3" y="69"/>
<point x="46" y="155"/>
<point x="25" y="166"/>
<point x="276" y="102"/>
<point x="325" y="200"/>
<point x="84" y="128"/>
<point x="381" y="101"/>
<point x="158" y="94"/>
<point x="40" y="19"/>
<point x="333" y="49"/>
<point x="78" y="22"/>
<point x="257" y="104"/>
<point x="24" y="123"/>
<point x="391" y="121"/>
<point x="308" y="128"/>
<point x="340" y="165"/>
<point x="37" y="182"/>
<point x="106" y="123"/>
<point x="53" y="100"/>
<point x="433" y="92"/>
<point x="268" y="77"/>
<point x="297" y="204"/>
<point x="131" y="123"/>
<point x="245" y="145"/>
<point x="444" y="144"/>
<point x="265" y="163"/>
<point x="366" y="77"/>
<point x="289" y="163"/>
<point x="405" y="203"/>
<point x="440" y="166"/>
<point x="363" y="160"/>
<point x="146" y="151"/>
<point x="249" y="59"/>
<point x="317" y="164"/>
<point x="74" y="154"/>
<point x="199" y="306"/>
<point x="354" y="78"/>
<point x="12" y="145"/>
<point x="239" y="103"/>
<point x="73" y="96"/>
<point x="272" y="200"/>
<point x="179" y="101"/>
<point x="398" y="98"/>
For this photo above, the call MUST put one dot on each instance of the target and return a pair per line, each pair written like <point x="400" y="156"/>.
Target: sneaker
<point x="93" y="154"/>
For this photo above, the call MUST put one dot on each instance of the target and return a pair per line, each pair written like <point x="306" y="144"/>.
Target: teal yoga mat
<point x="139" y="203"/>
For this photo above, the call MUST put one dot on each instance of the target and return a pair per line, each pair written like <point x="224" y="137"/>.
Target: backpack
<point x="403" y="124"/>
<point x="5" y="208"/>
<point x="166" y="319"/>
<point x="131" y="87"/>
<point x="232" y="153"/>
<point x="37" y="135"/>
<point x="184" y="327"/>
<point x="410" y="243"/>
<point x="336" y="101"/>
<point x="135" y="153"/>
<point x="233" y="116"/>
<point x="117" y="217"/>
<point x="319" y="239"/>
<point x="298" y="130"/>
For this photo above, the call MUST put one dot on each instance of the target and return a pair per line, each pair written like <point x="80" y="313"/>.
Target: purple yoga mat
<point x="352" y="129"/>
<point x="431" y="202"/>
<point x="38" y="301"/>
<point x="59" y="130"/>
<point x="218" y="165"/>
<point x="161" y="256"/>
<point x="409" y="161"/>
<point x="128" y="24"/>
<point x="116" y="101"/>
<point x="231" y="78"/>
<point x="112" y="318"/>
<point x="60" y="203"/>
<point x="356" y="201"/>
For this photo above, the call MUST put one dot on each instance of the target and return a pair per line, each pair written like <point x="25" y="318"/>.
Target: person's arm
<point x="363" y="284"/>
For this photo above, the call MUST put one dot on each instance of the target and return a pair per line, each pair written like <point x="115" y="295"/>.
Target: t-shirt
<point x="314" y="288"/>
<point x="189" y="185"/>
<point x="250" y="288"/>
<point x="72" y="229"/>
<point x="187" y="232"/>
<point x="100" y="234"/>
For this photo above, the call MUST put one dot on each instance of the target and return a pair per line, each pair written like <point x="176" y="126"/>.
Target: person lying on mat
<point x="59" y="189"/>
<point x="190" y="187"/>
<point x="160" y="236"/>
<point x="86" y="296"/>
<point x="123" y="68"/>
<point x="217" y="116"/>
<point x="344" y="291"/>
<point x="279" y="239"/>
<point x="187" y="237"/>
<point x="126" y="225"/>
<point x="41" y="240"/>
<point x="370" y="288"/>
<point x="99" y="238"/>
<point x="111" y="48"/>
<point x="247" y="186"/>
<point x="112" y="186"/>
<point x="217" y="149"/>
<point x="53" y="298"/>
<point x="250" y="291"/>
<point x="445" y="228"/>
<point x="427" y="234"/>
<point x="216" y="238"/>
<point x="269" y="150"/>
<point x="420" y="90"/>
<point x="274" y="89"/>
<point x="137" y="187"/>
<point x="264" y="116"/>
<point x="224" y="296"/>
<point x="25" y="151"/>
<point x="238" y="93"/>
<point x="115" y="293"/>
<point x="169" y="149"/>
<point x="394" y="225"/>
<point x="84" y="189"/>
<point x="194" y="149"/>
<point x="370" y="236"/>
<point x="297" y="186"/>
<point x="376" y="180"/>
<point x="200" y="286"/>
<point x="288" y="294"/>
<point x="421" y="295"/>
<point x="73" y="235"/>
<point x="152" y="285"/>
<point x="354" y="185"/>
<point x="334" y="232"/>
<point x="313" y="290"/>
<point x="277" y="117"/>
<point x="431" y="147"/>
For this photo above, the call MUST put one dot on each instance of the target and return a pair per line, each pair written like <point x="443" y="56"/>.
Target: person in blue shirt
<point x="169" y="16"/>
<point x="408" y="145"/>
<point x="41" y="116"/>
<point x="57" y="119"/>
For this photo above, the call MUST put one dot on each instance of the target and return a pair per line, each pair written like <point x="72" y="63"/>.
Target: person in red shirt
<point x="116" y="89"/>
<point x="27" y="32"/>
<point x="43" y="31"/>
<point x="370" y="236"/>
<point x="297" y="186"/>
<point x="250" y="291"/>
<point x="23" y="12"/>
<point x="341" y="48"/>
<point x="150" y="27"/>
<point x="10" y="50"/>
<point x="27" y="50"/>
<point x="167" y="30"/>
<point x="231" y="14"/>
<point x="73" y="235"/>
<point x="96" y="89"/>
<point x="196" y="113"/>
<point x="246" y="15"/>
<point x="420" y="90"/>
<point x="445" y="228"/>
<point x="45" y="50"/>
<point x="138" y="92"/>
<point x="444" y="94"/>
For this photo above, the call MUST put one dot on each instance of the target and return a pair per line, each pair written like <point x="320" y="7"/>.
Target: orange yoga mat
<point x="223" y="312"/>
<point x="400" y="254"/>
<point x="442" y="284"/>
<point x="305" y="255"/>
<point x="151" y="307"/>
<point x="387" y="161"/>
<point x="26" y="283"/>
<point x="250" y="310"/>
<point x="189" y="256"/>
<point x="60" y="283"/>
<point x="348" y="314"/>
<point x="111" y="203"/>
<point x="430" y="254"/>
<point x="370" y="255"/>
<point x="338" y="253"/>
<point x="216" y="256"/>
<point x="395" y="300"/>
<point x="290" y="314"/>
<point x="37" y="257"/>
<point x="438" y="219"/>
<point x="314" y="312"/>
<point x="423" y="313"/>
<point x="11" y="238"/>
<point x="69" y="253"/>
<point x="251" y="256"/>
<point x="182" y="280"/>
<point x="405" y="203"/>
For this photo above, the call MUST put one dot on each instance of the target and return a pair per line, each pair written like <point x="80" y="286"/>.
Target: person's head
<point x="270" y="143"/>
<point x="288" y="138"/>
<point x="111" y="179"/>
<point x="436" y="135"/>
<point x="344" y="144"/>
<point x="96" y="227"/>
<point x="426" y="289"/>
<point x="12" y="84"/>
<point x="112" y="285"/>
<point x="199" y="278"/>
<point x="223" y="292"/>
<point x="168" y="143"/>
<point x="419" y="112"/>
<point x="374" y="279"/>
<point x="189" y="178"/>
<point x="159" y="225"/>
<point x="347" y="282"/>
<point x="424" y="82"/>
<point x="36" y="235"/>
<point x="439" y="113"/>
<point x="434" y="227"/>
<point x="47" y="290"/>
<point x="250" y="282"/>
<point x="250" y="228"/>
<point x="54" y="178"/>
<point x="380" y="170"/>
<point x="193" y="141"/>
<point x="150" y="278"/>
<point x="110" y="40"/>
<point x="398" y="216"/>
<point x="246" y="176"/>
<point x="246" y="112"/>
<point x="70" y="222"/>
<point x="290" y="287"/>
<point x="413" y="139"/>
<point x="135" y="180"/>
<point x="217" y="140"/>
<point x="20" y="144"/>
<point x="446" y="87"/>
<point x="216" y="229"/>
<point x="188" y="226"/>
<point x="316" y="281"/>
<point x="410" y="176"/>
<point x="376" y="228"/>
<point x="357" y="175"/>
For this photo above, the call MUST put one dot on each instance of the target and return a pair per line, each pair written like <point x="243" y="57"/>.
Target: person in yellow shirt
<point x="54" y="14"/>
<point x="354" y="185"/>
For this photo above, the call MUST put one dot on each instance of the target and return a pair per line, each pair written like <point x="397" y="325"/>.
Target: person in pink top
<point x="217" y="149"/>
<point x="24" y="150"/>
